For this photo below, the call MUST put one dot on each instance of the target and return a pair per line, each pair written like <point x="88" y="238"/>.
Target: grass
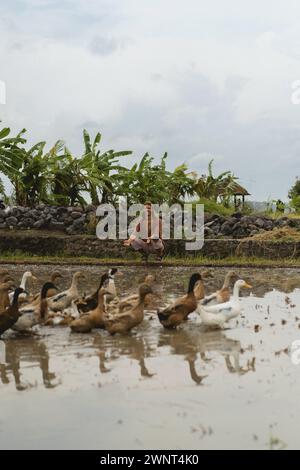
<point x="213" y="207"/>
<point x="283" y="234"/>
<point x="59" y="259"/>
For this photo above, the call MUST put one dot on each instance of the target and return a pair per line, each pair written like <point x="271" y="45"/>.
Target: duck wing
<point x="210" y="299"/>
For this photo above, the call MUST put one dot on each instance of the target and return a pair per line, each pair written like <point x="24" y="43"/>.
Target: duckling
<point x="132" y="300"/>
<point x="33" y="314"/>
<point x="222" y="295"/>
<point x="63" y="300"/>
<point x="24" y="281"/>
<point x="124" y="322"/>
<point x="4" y="297"/>
<point x="178" y="312"/>
<point x="218" y="315"/>
<point x="92" y="319"/>
<point x="10" y="315"/>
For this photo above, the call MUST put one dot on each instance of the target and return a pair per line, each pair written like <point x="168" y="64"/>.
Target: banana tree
<point x="101" y="169"/>
<point x="67" y="180"/>
<point x="11" y="156"/>
<point x="216" y="187"/>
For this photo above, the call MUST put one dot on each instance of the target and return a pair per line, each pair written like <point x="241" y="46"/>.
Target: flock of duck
<point x="21" y="310"/>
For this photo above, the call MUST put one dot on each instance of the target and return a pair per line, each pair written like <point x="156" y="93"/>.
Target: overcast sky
<point x="199" y="79"/>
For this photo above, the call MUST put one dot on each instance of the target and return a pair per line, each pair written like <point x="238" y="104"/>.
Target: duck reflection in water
<point x="27" y="350"/>
<point x="133" y="347"/>
<point x="191" y="343"/>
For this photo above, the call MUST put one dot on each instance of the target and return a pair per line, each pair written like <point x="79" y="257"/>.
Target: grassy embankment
<point x="25" y="258"/>
<point x="279" y="235"/>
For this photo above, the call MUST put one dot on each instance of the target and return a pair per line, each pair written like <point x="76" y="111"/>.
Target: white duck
<point x="218" y="315"/>
<point x="25" y="278"/>
<point x="222" y="295"/>
<point x="63" y="300"/>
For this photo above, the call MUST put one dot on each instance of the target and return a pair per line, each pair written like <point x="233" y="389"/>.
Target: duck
<point x="34" y="313"/>
<point x="178" y="312"/>
<point x="199" y="289"/>
<point x="63" y="300"/>
<point x="222" y="295"/>
<point x="5" y="287"/>
<point x="218" y="315"/>
<point x="4" y="274"/>
<point x="91" y="302"/>
<point x="35" y="299"/>
<point x="92" y="319"/>
<point x="125" y="321"/>
<point x="11" y="314"/>
<point x="111" y="286"/>
<point x="65" y="317"/>
<point x="54" y="276"/>
<point x="132" y="300"/>
<point x="25" y="278"/>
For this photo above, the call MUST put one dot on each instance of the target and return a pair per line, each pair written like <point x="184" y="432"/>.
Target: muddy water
<point x="185" y="389"/>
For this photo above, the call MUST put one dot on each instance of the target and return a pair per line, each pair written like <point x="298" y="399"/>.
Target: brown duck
<point x="178" y="312"/>
<point x="33" y="314"/>
<point x="125" y="321"/>
<point x="5" y="287"/>
<point x="10" y="315"/>
<point x="92" y="319"/>
<point x="90" y="303"/>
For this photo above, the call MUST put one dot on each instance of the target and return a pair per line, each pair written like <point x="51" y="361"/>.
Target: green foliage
<point x="294" y="195"/>
<point x="214" y="207"/>
<point x="216" y="188"/>
<point x="149" y="181"/>
<point x="58" y="177"/>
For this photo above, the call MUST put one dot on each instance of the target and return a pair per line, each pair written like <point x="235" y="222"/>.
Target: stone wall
<point x="75" y="220"/>
<point x="50" y="244"/>
<point x="70" y="220"/>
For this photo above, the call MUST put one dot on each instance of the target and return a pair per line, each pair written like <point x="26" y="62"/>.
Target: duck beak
<point x="34" y="278"/>
<point x="247" y="286"/>
<point x="120" y="273"/>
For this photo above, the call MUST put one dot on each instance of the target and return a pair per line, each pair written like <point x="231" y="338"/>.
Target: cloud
<point x="196" y="79"/>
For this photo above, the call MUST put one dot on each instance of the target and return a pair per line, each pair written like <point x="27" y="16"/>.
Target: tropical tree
<point x="220" y="187"/>
<point x="67" y="180"/>
<point x="148" y="181"/>
<point x="11" y="155"/>
<point x="294" y="194"/>
<point x="102" y="169"/>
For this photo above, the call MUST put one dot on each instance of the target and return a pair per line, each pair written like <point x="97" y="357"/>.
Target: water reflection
<point x="196" y="344"/>
<point x="133" y="347"/>
<point x="29" y="350"/>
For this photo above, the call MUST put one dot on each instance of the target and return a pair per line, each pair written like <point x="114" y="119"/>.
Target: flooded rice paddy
<point x="187" y="389"/>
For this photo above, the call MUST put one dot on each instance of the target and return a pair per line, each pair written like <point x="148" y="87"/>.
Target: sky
<point x="199" y="79"/>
